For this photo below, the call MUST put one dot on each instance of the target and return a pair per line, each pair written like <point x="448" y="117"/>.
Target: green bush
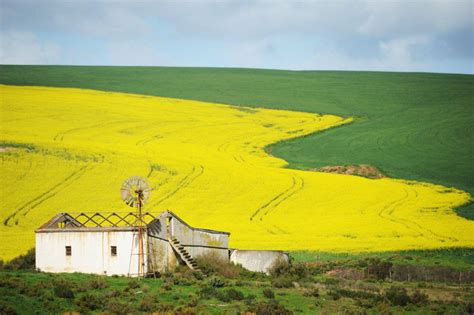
<point x="216" y="282"/>
<point x="279" y="268"/>
<point x="118" y="307"/>
<point x="314" y="292"/>
<point x="273" y="308"/>
<point x="214" y="264"/>
<point x="207" y="292"/>
<point x="133" y="284"/>
<point x="221" y="296"/>
<point x="335" y="295"/>
<point x="22" y="262"/>
<point x="282" y="282"/>
<point x="167" y="286"/>
<point x="97" y="283"/>
<point x="63" y="290"/>
<point x="234" y="294"/>
<point x="397" y="296"/>
<point x="268" y="293"/>
<point x="148" y="303"/>
<point x="89" y="302"/>
<point x="419" y="297"/>
<point x="6" y="309"/>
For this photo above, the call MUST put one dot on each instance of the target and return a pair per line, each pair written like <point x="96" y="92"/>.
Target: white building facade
<point x="109" y="244"/>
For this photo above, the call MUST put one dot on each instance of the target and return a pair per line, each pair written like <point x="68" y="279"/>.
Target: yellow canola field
<point x="207" y="163"/>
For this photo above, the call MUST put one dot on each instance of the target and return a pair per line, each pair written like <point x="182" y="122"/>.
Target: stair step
<point x="185" y="255"/>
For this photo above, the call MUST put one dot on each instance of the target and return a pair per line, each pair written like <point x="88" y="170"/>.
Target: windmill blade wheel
<point x="134" y="189"/>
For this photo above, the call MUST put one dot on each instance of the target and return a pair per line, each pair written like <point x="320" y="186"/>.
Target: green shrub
<point x="133" y="284"/>
<point x="193" y="301"/>
<point x="234" y="294"/>
<point x="469" y="308"/>
<point x="279" y="268"/>
<point x="148" y="303"/>
<point x="250" y="298"/>
<point x="419" y="297"/>
<point x="216" y="282"/>
<point x="89" y="302"/>
<point x="214" y="264"/>
<point x="97" y="283"/>
<point x="112" y="294"/>
<point x="221" y="296"/>
<point x="6" y="309"/>
<point x="63" y="290"/>
<point x="118" y="307"/>
<point x="268" y="293"/>
<point x="335" y="295"/>
<point x="314" y="292"/>
<point x="282" y="282"/>
<point x="207" y="292"/>
<point x="273" y="308"/>
<point x="397" y="296"/>
<point x="12" y="282"/>
<point x="167" y="286"/>
<point x="22" y="262"/>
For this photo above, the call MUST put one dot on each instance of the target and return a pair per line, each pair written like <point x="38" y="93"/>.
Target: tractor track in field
<point x="387" y="213"/>
<point x="60" y="135"/>
<point x="296" y="186"/>
<point x="48" y="194"/>
<point x="148" y="140"/>
<point x="196" y="172"/>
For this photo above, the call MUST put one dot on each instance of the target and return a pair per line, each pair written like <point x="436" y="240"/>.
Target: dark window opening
<point x="113" y="250"/>
<point x="68" y="251"/>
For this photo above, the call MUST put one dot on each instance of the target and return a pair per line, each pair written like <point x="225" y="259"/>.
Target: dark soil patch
<point x="359" y="170"/>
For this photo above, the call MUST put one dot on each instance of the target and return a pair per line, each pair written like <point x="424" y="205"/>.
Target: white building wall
<point x="91" y="252"/>
<point x="258" y="260"/>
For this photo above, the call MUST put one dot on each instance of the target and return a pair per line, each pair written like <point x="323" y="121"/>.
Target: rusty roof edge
<point x="50" y="221"/>
<point x="45" y="227"/>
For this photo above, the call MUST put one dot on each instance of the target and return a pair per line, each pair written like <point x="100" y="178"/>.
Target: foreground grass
<point x="331" y="285"/>
<point x="410" y="125"/>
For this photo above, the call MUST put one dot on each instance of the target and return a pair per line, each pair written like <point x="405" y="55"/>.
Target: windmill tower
<point x="135" y="192"/>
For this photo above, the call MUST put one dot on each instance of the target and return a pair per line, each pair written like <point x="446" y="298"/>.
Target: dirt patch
<point x="4" y="149"/>
<point x="359" y="170"/>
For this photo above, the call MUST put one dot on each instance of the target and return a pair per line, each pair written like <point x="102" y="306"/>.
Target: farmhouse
<point x="125" y="244"/>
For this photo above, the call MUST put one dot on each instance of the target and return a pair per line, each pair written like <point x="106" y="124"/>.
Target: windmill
<point x="135" y="192"/>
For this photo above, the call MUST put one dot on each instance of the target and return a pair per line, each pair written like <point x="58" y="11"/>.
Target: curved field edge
<point x="280" y="191"/>
<point x="438" y="102"/>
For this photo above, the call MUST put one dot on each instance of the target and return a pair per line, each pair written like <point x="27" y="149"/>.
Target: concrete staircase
<point x="183" y="253"/>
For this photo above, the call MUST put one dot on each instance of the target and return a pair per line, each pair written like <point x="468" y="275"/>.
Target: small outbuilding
<point x="125" y="244"/>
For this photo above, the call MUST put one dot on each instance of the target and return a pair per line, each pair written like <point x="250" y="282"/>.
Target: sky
<point x="410" y="35"/>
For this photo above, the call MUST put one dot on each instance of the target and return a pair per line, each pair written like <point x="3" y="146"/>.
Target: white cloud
<point x="26" y="48"/>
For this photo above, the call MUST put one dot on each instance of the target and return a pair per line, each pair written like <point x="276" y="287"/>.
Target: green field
<point x="410" y="125"/>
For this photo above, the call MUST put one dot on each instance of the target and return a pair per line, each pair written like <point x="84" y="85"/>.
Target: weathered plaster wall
<point x="257" y="260"/>
<point x="200" y="242"/>
<point x="91" y="252"/>
<point x="198" y="237"/>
